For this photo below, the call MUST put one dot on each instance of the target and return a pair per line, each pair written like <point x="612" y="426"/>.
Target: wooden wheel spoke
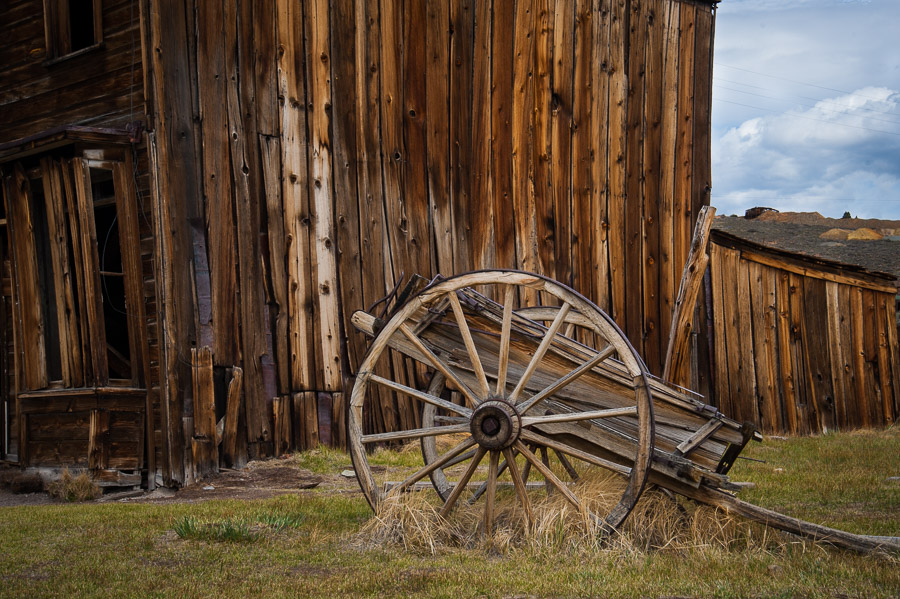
<point x="493" y="468"/>
<point x="578" y="416"/>
<point x="480" y="491"/>
<point x="567" y="379"/>
<point x="573" y="474"/>
<point x="461" y="485"/>
<point x="469" y="343"/>
<point x="519" y="484"/>
<point x="549" y="476"/>
<point x="442" y="461"/>
<point x="533" y="437"/>
<point x="545" y="460"/>
<point x="505" y="328"/>
<point x="540" y="352"/>
<point x="442" y="367"/>
<point x="426" y="397"/>
<point x="415" y="433"/>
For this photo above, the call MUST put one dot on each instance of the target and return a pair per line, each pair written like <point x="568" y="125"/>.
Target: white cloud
<point x="784" y="134"/>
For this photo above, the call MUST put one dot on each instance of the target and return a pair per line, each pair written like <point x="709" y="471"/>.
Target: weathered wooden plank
<point x="818" y="365"/>
<point x="668" y="264"/>
<point x="798" y="356"/>
<point x="762" y="290"/>
<point x="744" y="339"/>
<point x="701" y="161"/>
<point x="684" y="146"/>
<point x="482" y="204"/>
<point x="599" y="140"/>
<point x="890" y="322"/>
<point x="616" y="157"/>
<point x="722" y="396"/>
<point x="835" y="355"/>
<point x="326" y="291"/>
<point x="98" y="440"/>
<point x="848" y="373"/>
<point x="634" y="191"/>
<point x="337" y="434"/>
<point x="345" y="110"/>
<point x="437" y="124"/>
<point x="872" y="396"/>
<point x="277" y="277"/>
<point x="204" y="448"/>
<point x="677" y="355"/>
<point x="216" y="177"/>
<point x="858" y="357"/>
<point x="281" y="425"/>
<point x="582" y="99"/>
<point x="414" y="173"/>
<point x="70" y="342"/>
<point x="560" y="110"/>
<point x="29" y="312"/>
<point x="86" y="236"/>
<point x="884" y="306"/>
<point x="787" y="395"/>
<point x="523" y="154"/>
<point x="233" y="446"/>
<point x="462" y="42"/>
<point x="655" y="340"/>
<point x="295" y="192"/>
<point x="502" y="65"/>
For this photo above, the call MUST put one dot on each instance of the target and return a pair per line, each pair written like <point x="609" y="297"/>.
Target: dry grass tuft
<point x="74" y="488"/>
<point x="659" y="523"/>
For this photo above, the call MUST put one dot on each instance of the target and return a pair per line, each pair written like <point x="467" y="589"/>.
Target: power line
<point x="831" y="89"/>
<point x="719" y="80"/>
<point x="808" y="118"/>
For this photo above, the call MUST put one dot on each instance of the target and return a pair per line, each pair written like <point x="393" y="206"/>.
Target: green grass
<point x="309" y="545"/>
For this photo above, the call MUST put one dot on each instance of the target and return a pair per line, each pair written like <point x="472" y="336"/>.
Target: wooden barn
<point x="805" y="328"/>
<point x="196" y="195"/>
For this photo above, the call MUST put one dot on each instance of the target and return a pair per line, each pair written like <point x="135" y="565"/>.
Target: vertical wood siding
<point x="802" y="349"/>
<point x="342" y="145"/>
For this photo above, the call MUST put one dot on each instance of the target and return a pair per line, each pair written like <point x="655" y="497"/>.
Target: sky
<point x="806" y="107"/>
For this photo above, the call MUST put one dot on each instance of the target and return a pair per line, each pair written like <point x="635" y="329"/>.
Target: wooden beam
<point x="677" y="358"/>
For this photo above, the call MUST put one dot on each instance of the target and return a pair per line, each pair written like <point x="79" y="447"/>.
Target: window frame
<point x="58" y="34"/>
<point x="77" y="291"/>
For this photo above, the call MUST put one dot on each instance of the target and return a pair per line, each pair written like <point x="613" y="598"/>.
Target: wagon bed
<point x="518" y="370"/>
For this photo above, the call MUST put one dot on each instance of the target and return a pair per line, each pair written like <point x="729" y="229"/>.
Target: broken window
<point x="76" y="273"/>
<point x="71" y="26"/>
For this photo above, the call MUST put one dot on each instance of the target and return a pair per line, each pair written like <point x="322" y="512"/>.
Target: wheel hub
<point x="495" y="424"/>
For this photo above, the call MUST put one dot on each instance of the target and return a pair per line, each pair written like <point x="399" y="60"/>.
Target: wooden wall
<point x="802" y="346"/>
<point x="309" y="154"/>
<point x="98" y="87"/>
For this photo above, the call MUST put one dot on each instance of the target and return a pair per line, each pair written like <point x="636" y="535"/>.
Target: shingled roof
<point x="812" y="235"/>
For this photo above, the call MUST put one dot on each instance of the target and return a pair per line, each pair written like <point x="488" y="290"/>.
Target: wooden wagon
<point x="521" y="370"/>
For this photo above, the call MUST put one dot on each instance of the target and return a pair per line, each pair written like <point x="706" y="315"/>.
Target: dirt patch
<point x="258" y="480"/>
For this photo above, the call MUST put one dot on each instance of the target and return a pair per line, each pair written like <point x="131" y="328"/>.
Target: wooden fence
<point x="802" y="345"/>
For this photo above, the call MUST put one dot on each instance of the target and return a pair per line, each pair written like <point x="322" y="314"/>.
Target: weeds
<point x="240" y="529"/>
<point x="659" y="523"/>
<point x="74" y="488"/>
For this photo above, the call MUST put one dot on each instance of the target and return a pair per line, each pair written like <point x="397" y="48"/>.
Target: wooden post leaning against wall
<point x="677" y="355"/>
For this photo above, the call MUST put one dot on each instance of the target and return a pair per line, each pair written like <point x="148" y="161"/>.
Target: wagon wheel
<point x="514" y="375"/>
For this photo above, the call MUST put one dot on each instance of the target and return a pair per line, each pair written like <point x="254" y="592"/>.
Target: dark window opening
<point x="81" y="24"/>
<point x="112" y="275"/>
<point x="45" y="280"/>
<point x="71" y="26"/>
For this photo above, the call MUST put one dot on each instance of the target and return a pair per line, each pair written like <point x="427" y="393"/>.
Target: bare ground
<point x="258" y="480"/>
